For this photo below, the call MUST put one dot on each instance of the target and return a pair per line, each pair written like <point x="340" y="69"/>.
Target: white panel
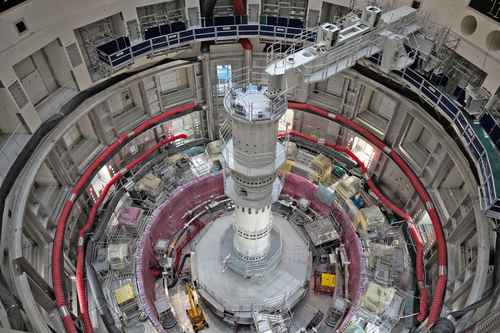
<point x="335" y="86"/>
<point x="59" y="64"/>
<point x="312" y="18"/>
<point x="387" y="107"/>
<point x="168" y="81"/>
<point x="343" y="3"/>
<point x="74" y="55"/>
<point x="35" y="87"/>
<point x="182" y="80"/>
<point x="45" y="72"/>
<point x="194" y="16"/>
<point x="24" y="68"/>
<point x="133" y="30"/>
<point x="18" y="94"/>
<point x="254" y="221"/>
<point x="72" y="136"/>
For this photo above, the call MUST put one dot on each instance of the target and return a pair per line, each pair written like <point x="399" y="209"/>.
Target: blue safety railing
<point x="491" y="125"/>
<point x="477" y="143"/>
<point x="119" y="52"/>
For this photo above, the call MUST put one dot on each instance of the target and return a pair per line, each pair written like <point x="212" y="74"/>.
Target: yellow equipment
<point x="124" y="294"/>
<point x="194" y="311"/>
<point x="322" y="167"/>
<point x="286" y="167"/>
<point x="328" y="280"/>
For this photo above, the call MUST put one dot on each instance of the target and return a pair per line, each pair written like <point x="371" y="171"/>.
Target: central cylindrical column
<point x="252" y="232"/>
<point x="254" y="148"/>
<point x="252" y="157"/>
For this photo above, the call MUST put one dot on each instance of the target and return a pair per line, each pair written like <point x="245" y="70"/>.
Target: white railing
<point x="247" y="304"/>
<point x="245" y="107"/>
<point x="169" y="16"/>
<point x="281" y="49"/>
<point x="243" y="77"/>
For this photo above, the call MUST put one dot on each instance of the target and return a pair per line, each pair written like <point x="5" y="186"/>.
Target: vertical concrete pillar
<point x="313" y="13"/>
<point x="209" y="109"/>
<point x="248" y="63"/>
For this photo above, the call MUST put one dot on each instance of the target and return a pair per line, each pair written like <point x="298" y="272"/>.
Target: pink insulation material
<point x="167" y="219"/>
<point x="129" y="216"/>
<point x="357" y="267"/>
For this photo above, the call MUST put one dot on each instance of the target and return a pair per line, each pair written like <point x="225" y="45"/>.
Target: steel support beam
<point x="207" y="92"/>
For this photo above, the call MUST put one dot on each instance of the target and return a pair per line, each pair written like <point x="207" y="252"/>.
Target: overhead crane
<point x="337" y="47"/>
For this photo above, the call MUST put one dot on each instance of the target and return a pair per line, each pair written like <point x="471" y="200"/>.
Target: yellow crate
<point x="124" y="294"/>
<point x="328" y="280"/>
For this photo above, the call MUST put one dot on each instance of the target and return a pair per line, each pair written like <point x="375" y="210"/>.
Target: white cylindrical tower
<point x="252" y="156"/>
<point x="252" y="232"/>
<point x="253" y="258"/>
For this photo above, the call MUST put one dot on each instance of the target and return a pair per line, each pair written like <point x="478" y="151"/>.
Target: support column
<point x="61" y="173"/>
<point x="313" y="13"/>
<point x="148" y="109"/>
<point x="207" y="91"/>
<point x="248" y="62"/>
<point x="252" y="157"/>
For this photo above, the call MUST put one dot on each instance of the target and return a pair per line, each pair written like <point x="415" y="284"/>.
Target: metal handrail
<point x="278" y="105"/>
<point x="298" y="43"/>
<point x="127" y="52"/>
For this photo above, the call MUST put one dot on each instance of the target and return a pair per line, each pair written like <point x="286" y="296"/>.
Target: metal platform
<point x="233" y="297"/>
<point x="247" y="269"/>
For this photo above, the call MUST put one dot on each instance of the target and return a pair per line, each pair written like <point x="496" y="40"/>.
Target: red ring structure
<point x="414" y="234"/>
<point x="437" y="301"/>
<point x="80" y="252"/>
<point x="57" y="253"/>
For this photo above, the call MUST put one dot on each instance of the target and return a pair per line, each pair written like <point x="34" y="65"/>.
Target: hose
<point x="419" y="261"/>
<point x="177" y="271"/>
<point x="80" y="256"/>
<point x="105" y="155"/>
<point x="438" y="297"/>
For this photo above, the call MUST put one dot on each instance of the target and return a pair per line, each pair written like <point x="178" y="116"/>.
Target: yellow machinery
<point x="194" y="311"/>
<point x="286" y="167"/>
<point x="322" y="169"/>
<point x="328" y="280"/>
